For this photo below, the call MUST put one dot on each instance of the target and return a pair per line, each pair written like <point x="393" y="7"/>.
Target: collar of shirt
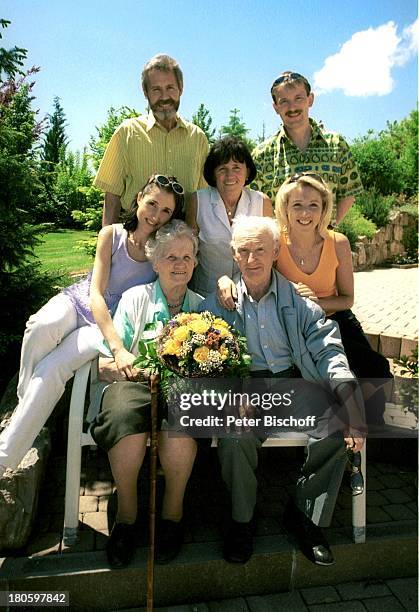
<point x="271" y="289"/>
<point x="316" y="132"/>
<point x="243" y="205"/>
<point x="161" y="309"/>
<point x="151" y="122"/>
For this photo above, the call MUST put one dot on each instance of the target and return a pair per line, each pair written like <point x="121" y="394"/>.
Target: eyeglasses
<point x="167" y="181"/>
<point x="287" y="77"/>
<point x="299" y="175"/>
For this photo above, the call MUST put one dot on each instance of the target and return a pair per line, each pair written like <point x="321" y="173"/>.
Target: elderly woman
<point x="123" y="423"/>
<point x="228" y="169"/>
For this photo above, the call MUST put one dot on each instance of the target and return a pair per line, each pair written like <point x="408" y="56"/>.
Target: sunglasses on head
<point x="287" y="77"/>
<point x="299" y="175"/>
<point x="168" y="181"/>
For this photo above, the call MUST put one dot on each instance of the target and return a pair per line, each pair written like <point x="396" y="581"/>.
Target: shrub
<point x="378" y="164"/>
<point x="410" y="207"/>
<point x="355" y="224"/>
<point x="410" y="241"/>
<point x="375" y="207"/>
<point x="91" y="219"/>
<point x="87" y="246"/>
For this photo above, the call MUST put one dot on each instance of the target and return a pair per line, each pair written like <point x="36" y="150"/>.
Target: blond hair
<point x="282" y="197"/>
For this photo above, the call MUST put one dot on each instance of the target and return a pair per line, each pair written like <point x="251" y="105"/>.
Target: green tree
<point x="402" y="139"/>
<point x="11" y="60"/>
<point x="55" y="140"/>
<point x="378" y="163"/>
<point x="73" y="188"/>
<point x="203" y="119"/>
<point x="22" y="286"/>
<point x="236" y="127"/>
<point x="90" y="216"/>
<point x="99" y="143"/>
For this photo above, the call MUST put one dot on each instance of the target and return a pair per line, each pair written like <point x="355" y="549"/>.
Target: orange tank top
<point x="323" y="280"/>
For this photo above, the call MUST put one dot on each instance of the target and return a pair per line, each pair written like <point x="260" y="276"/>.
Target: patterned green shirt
<point x="327" y="154"/>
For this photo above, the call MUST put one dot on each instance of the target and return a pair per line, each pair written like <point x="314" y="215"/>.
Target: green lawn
<point x="57" y="252"/>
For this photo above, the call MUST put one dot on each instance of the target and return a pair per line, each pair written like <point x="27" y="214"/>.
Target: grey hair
<point x="247" y="225"/>
<point x="165" y="63"/>
<point x="156" y="247"/>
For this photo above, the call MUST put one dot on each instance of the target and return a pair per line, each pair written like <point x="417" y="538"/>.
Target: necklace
<point x="302" y="258"/>
<point x="175" y="305"/>
<point x="231" y="212"/>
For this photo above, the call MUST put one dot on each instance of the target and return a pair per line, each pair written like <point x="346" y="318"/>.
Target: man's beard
<point x="167" y="113"/>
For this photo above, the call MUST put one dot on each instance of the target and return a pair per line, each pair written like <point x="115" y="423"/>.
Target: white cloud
<point x="364" y="63"/>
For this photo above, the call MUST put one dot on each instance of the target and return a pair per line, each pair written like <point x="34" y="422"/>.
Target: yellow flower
<point x="218" y="323"/>
<point x="172" y="347"/>
<point x="181" y="333"/>
<point x="224" y="333"/>
<point x="223" y="350"/>
<point x="183" y="318"/>
<point x="199" y="326"/>
<point x="201" y="354"/>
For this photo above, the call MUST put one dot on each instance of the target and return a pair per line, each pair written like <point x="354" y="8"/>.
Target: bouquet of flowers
<point x="194" y="345"/>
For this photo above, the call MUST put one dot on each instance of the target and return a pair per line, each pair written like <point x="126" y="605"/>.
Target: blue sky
<point x="361" y="56"/>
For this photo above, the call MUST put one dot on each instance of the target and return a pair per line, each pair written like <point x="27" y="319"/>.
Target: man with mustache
<point x="302" y="145"/>
<point x="160" y="142"/>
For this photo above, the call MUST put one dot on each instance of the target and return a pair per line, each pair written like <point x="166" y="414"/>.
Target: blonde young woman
<point x="67" y="331"/>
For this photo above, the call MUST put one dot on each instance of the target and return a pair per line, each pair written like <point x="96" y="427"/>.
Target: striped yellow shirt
<point x="140" y="147"/>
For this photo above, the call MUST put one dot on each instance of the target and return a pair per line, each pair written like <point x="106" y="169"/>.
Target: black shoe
<point x="356" y="477"/>
<point x="238" y="543"/>
<point x="169" y="540"/>
<point x="310" y="538"/>
<point x="121" y="545"/>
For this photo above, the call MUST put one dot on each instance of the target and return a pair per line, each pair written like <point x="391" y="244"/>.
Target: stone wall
<point x="386" y="243"/>
<point x="19" y="488"/>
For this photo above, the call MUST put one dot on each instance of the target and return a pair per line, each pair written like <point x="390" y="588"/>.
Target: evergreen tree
<point x="203" y="119"/>
<point x="22" y="286"/>
<point x="236" y="127"/>
<point x="10" y="59"/>
<point x="55" y="141"/>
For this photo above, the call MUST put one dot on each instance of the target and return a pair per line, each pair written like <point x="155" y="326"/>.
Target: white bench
<point x="77" y="439"/>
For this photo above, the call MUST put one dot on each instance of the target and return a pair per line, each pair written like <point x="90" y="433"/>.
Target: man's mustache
<point x="165" y="102"/>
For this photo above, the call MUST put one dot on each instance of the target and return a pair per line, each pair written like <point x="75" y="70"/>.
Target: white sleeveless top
<point x="214" y="257"/>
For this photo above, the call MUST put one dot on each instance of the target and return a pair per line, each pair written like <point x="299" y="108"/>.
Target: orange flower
<point x="201" y="354"/>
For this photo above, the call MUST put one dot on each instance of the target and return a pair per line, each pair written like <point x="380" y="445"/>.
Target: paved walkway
<point x="395" y="595"/>
<point x="386" y="301"/>
<point x="391" y="497"/>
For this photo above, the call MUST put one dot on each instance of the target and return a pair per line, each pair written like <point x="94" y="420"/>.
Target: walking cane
<point x="154" y="384"/>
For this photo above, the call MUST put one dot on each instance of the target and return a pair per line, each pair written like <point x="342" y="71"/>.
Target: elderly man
<point x="288" y="337"/>
<point x="302" y="145"/>
<point x="161" y="142"/>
